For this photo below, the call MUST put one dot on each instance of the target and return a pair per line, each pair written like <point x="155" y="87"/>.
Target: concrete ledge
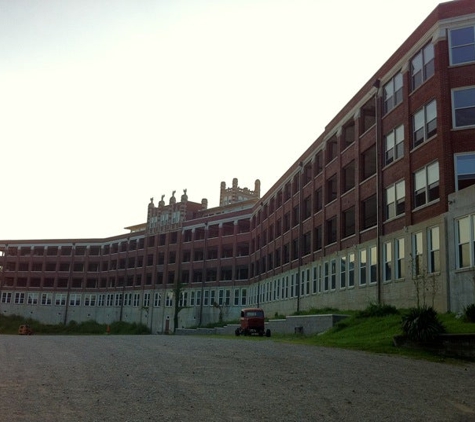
<point x="299" y="324"/>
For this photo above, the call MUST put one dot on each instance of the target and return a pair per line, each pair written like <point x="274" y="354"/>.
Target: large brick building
<point x="378" y="209"/>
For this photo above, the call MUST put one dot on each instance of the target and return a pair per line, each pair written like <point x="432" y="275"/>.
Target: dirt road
<point x="187" y="378"/>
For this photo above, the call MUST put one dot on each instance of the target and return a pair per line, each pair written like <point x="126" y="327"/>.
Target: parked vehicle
<point x="252" y="322"/>
<point x="25" y="330"/>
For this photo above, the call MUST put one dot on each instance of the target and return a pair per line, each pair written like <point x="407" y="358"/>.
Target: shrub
<point x="469" y="313"/>
<point x="422" y="324"/>
<point x="377" y="310"/>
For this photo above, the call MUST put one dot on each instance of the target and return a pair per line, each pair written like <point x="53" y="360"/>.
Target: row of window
<point x="209" y="297"/>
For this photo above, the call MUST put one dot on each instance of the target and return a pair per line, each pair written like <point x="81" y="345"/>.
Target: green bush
<point x="377" y="310"/>
<point x="422" y="324"/>
<point x="469" y="313"/>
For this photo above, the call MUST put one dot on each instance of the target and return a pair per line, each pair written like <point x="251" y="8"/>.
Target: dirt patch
<point x="181" y="378"/>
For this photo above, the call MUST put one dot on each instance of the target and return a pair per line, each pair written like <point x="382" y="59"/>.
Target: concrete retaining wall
<point x="301" y="324"/>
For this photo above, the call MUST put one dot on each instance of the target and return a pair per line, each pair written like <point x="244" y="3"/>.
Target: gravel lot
<point x="188" y="378"/>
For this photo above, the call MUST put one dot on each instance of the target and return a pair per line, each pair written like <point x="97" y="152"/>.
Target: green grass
<point x="9" y="325"/>
<point x="375" y="334"/>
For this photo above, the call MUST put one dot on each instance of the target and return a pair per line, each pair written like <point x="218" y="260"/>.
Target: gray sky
<point x="107" y="103"/>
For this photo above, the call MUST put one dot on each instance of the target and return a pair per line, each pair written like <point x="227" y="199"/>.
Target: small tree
<point x="424" y="283"/>
<point x="177" y="293"/>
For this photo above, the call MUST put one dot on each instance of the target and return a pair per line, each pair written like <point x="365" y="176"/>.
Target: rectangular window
<point x="351" y="269"/>
<point x="422" y="66"/>
<point x="426" y="185"/>
<point x="348" y="173"/>
<point x="369" y="214"/>
<point x="424" y="123"/>
<point x="32" y="299"/>
<point x="60" y="299"/>
<point x="392" y="93"/>
<point x="462" y="45"/>
<point x="318" y="238"/>
<point x="157" y="300"/>
<point x="373" y="264"/>
<point x="417" y="253"/>
<point x="394" y="145"/>
<point x="466" y="242"/>
<point x="363" y="265"/>
<point x="332" y="148"/>
<point x="326" y="276"/>
<point x="399" y="254"/>
<point x="368" y="162"/>
<point x="342" y="272"/>
<point x="46" y="299"/>
<point x="349" y="222"/>
<point x="318" y="164"/>
<point x="318" y="203"/>
<point x="331" y="230"/>
<point x="332" y="188"/>
<point x="387" y="258"/>
<point x="463" y="107"/>
<point x="395" y="199"/>
<point x="348" y="135"/>
<point x="433" y="243"/>
<point x="464" y="170"/>
<point x="333" y="273"/>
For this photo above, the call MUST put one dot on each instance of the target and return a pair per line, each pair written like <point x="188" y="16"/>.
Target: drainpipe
<point x="300" y="237"/>
<point x="203" y="278"/>
<point x="379" y="267"/>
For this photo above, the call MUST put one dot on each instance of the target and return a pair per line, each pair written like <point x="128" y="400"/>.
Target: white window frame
<point x="425" y="179"/>
<point x="363" y="267"/>
<point x="433" y="250"/>
<point x="417" y="254"/>
<point x="459" y="104"/>
<point x="459" y="173"/>
<point x="351" y="270"/>
<point x="465" y="238"/>
<point x="395" y="195"/>
<point x="392" y="93"/>
<point x="399" y="258"/>
<point x="394" y="145"/>
<point x="468" y="45"/>
<point x="387" y="261"/>
<point x="426" y="66"/>
<point x="424" y="120"/>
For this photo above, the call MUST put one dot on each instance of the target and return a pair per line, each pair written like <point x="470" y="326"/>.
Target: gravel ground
<point x="189" y="378"/>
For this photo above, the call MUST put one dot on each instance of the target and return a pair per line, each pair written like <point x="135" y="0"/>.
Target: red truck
<point x="252" y="322"/>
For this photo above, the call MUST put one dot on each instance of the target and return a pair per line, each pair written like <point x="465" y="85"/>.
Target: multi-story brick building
<point x="378" y="209"/>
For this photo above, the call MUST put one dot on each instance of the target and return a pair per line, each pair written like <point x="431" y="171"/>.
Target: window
<point x="369" y="162"/>
<point x="463" y="107"/>
<point x="307" y="210"/>
<point x="394" y="145"/>
<point x="348" y="181"/>
<point x="348" y="134"/>
<point x="387" y="261"/>
<point x="392" y="95"/>
<point x="422" y="66"/>
<point x="342" y="272"/>
<point x="464" y="170"/>
<point x="318" y="164"/>
<point x="332" y="148"/>
<point x="395" y="196"/>
<point x="318" y="200"/>
<point x="363" y="264"/>
<point x="325" y="277"/>
<point x="424" y="123"/>
<point x="373" y="264"/>
<point x="426" y="183"/>
<point x="417" y="251"/>
<point x="462" y="45"/>
<point x="433" y="242"/>
<point x="349" y="222"/>
<point x="370" y="210"/>
<point x="332" y="188"/>
<point x="333" y="273"/>
<point x="368" y="115"/>
<point x="318" y="243"/>
<point x="351" y="269"/>
<point x="331" y="230"/>
<point x="466" y="242"/>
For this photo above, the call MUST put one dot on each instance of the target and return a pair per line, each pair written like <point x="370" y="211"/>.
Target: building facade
<point x="379" y="209"/>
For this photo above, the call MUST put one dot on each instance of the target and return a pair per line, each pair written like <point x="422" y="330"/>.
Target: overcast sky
<point x="107" y="103"/>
